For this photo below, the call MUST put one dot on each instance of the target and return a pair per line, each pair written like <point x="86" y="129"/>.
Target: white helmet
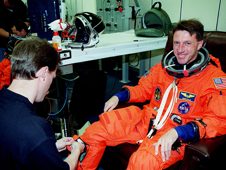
<point x="88" y="26"/>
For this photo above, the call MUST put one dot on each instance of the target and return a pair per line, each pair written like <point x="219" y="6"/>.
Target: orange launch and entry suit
<point x="5" y="72"/>
<point x="201" y="96"/>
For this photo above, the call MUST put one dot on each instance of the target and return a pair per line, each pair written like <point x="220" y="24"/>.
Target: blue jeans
<point x="2" y="51"/>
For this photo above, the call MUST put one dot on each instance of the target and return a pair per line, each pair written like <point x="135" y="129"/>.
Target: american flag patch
<point x="220" y="82"/>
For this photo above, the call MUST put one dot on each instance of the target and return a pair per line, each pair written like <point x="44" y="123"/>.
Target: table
<point x="118" y="44"/>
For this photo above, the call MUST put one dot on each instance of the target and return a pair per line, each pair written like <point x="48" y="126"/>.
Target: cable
<point x="67" y="79"/>
<point x="50" y="108"/>
<point x="135" y="22"/>
<point x="66" y="94"/>
<point x="65" y="101"/>
<point x="136" y="56"/>
<point x="114" y="82"/>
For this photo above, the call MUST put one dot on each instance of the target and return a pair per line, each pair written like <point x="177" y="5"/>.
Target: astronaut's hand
<point x="166" y="142"/>
<point x="111" y="104"/>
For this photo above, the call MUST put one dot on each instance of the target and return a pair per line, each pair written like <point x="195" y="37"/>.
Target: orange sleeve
<point x="214" y="116"/>
<point x="144" y="90"/>
<point x="5" y="77"/>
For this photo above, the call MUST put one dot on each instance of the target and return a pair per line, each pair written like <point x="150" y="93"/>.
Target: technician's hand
<point x="62" y="143"/>
<point x="111" y="104"/>
<point x="166" y="142"/>
<point x="77" y="147"/>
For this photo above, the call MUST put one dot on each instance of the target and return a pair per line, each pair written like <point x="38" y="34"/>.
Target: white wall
<point x="222" y="22"/>
<point x="89" y="6"/>
<point x="206" y="11"/>
<point x="71" y="5"/>
<point x="172" y="8"/>
<point x="82" y="5"/>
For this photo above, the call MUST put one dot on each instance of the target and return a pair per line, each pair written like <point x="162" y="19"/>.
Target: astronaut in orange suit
<point x="187" y="102"/>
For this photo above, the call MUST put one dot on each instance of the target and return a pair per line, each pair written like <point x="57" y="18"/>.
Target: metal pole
<point x="181" y="6"/>
<point x="219" y="9"/>
<point x="125" y="69"/>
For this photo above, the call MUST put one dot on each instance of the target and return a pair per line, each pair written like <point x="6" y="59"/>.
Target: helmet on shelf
<point x="88" y="26"/>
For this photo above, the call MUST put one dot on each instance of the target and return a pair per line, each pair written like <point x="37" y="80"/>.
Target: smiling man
<point x="186" y="47"/>
<point x="186" y="44"/>
<point x="184" y="106"/>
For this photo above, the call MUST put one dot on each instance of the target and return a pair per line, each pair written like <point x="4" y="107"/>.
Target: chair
<point x="199" y="155"/>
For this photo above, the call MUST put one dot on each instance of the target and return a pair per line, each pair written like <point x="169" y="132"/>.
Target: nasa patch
<point x="158" y="94"/>
<point x="184" y="107"/>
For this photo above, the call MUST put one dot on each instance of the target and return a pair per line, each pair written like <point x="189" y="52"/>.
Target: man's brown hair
<point x="32" y="54"/>
<point x="192" y="26"/>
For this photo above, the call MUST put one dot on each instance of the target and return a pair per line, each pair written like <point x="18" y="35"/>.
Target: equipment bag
<point x="155" y="23"/>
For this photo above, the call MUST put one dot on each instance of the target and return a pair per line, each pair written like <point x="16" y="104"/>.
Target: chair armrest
<point x="205" y="154"/>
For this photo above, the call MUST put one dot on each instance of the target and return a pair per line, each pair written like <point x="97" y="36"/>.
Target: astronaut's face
<point x="185" y="46"/>
<point x="21" y="33"/>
